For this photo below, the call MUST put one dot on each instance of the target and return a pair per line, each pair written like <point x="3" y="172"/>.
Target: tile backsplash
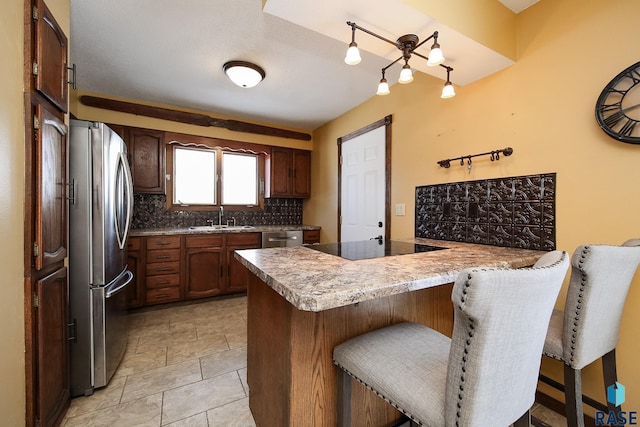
<point x="150" y="212"/>
<point x="517" y="211"/>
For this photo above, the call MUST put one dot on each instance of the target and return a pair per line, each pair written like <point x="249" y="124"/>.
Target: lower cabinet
<point x="181" y="267"/>
<point x="136" y="264"/>
<point x="52" y="347"/>
<point x="203" y="266"/>
<point x="311" y="237"/>
<point x="162" y="269"/>
<point x="237" y="274"/>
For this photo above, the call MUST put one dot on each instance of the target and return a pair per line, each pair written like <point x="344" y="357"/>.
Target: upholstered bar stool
<point x="588" y="327"/>
<point x="485" y="375"/>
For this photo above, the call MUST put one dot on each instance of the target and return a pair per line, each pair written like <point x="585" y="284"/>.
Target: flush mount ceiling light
<point x="407" y="44"/>
<point x="244" y="74"/>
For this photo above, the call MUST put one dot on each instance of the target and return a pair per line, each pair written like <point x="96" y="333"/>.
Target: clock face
<point x="618" y="106"/>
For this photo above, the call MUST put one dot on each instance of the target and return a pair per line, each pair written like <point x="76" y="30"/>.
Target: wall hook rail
<point x="494" y="155"/>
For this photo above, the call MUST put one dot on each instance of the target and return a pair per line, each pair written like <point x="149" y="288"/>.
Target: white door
<point x="363" y="186"/>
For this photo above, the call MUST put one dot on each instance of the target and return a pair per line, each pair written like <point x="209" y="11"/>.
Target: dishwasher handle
<point x="282" y="238"/>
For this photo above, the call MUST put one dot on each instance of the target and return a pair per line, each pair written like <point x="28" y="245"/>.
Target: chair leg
<point x="344" y="399"/>
<point x="610" y="376"/>
<point x="524" y="420"/>
<point x="573" y="396"/>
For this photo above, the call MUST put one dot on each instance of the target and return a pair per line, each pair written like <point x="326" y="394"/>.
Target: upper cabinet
<point x="146" y="158"/>
<point x="288" y="173"/>
<point x="50" y="61"/>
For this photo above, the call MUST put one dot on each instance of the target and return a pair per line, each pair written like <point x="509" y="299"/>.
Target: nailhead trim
<point x="467" y="346"/>
<point x="578" y="309"/>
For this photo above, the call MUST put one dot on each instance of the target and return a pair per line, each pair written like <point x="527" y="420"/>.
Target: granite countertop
<point x="138" y="232"/>
<point x="315" y="281"/>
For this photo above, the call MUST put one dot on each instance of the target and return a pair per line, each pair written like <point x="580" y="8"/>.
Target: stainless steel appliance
<point x="274" y="239"/>
<point x="100" y="212"/>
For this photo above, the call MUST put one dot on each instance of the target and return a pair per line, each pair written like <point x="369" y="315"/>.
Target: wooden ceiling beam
<point x="189" y="118"/>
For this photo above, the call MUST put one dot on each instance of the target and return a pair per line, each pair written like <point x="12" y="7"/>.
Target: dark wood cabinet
<point x="136" y="264"/>
<point x="310" y="237"/>
<point x="181" y="267"/>
<point x="49" y="67"/>
<point x="162" y="269"/>
<point x="147" y="160"/>
<point x="50" y="238"/>
<point x="50" y="314"/>
<point x="203" y="266"/>
<point x="301" y="175"/>
<point x="288" y="173"/>
<point x="237" y="274"/>
<point x="47" y="381"/>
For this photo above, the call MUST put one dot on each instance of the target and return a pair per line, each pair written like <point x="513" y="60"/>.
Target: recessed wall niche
<point x="518" y="211"/>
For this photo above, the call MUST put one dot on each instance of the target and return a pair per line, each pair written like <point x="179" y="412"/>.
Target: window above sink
<point x="205" y="178"/>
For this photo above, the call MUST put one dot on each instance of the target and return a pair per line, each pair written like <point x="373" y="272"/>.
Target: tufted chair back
<point x="501" y="319"/>
<point x="600" y="279"/>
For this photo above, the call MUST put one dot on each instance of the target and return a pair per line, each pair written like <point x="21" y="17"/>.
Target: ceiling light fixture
<point x="447" y="90"/>
<point x="243" y="73"/>
<point x="407" y="44"/>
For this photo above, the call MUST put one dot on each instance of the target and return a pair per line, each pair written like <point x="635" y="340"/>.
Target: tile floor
<point x="185" y="365"/>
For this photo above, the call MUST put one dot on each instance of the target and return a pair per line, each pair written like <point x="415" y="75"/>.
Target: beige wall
<point x="12" y="386"/>
<point x="543" y="107"/>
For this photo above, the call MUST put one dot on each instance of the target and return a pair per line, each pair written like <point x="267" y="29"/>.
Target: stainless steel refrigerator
<point x="100" y="213"/>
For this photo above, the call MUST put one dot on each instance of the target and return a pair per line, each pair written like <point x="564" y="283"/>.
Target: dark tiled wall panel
<point x="517" y="211"/>
<point x="149" y="212"/>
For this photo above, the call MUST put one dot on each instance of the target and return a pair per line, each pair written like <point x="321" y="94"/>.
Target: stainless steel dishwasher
<point x="276" y="239"/>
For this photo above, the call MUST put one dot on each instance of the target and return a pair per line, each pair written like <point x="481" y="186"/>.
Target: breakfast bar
<point x="302" y="302"/>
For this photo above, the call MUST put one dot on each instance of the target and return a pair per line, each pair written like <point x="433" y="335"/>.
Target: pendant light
<point x="447" y="90"/>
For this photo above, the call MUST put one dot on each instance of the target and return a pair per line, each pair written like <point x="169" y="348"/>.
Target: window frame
<point x="221" y="146"/>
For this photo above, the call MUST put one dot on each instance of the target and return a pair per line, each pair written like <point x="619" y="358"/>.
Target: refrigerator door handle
<point x="129" y="182"/>
<point x="127" y="278"/>
<point x="122" y="234"/>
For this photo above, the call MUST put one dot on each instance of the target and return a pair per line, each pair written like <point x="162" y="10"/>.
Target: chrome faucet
<point x="220" y="214"/>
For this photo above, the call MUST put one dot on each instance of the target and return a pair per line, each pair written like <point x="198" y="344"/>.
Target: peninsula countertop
<point x="314" y="281"/>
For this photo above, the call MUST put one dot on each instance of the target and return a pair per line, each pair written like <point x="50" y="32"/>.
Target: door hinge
<point x="35" y="68"/>
<point x="36" y="301"/>
<point x="36" y="249"/>
<point x="36" y="14"/>
<point x="36" y="122"/>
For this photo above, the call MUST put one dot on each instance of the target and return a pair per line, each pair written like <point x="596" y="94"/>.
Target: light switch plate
<point x="399" y="209"/>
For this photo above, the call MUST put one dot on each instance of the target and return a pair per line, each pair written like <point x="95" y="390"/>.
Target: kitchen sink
<point x="221" y="227"/>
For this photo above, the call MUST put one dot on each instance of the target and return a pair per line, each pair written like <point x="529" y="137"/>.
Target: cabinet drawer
<point x="157" y="268"/>
<point x="311" y="236"/>
<point x="134" y="244"/>
<point x="242" y="239"/>
<point x="154" y="296"/>
<point x="163" y="242"/>
<point x="163" y="255"/>
<point x="163" y="281"/>
<point x="203" y="241"/>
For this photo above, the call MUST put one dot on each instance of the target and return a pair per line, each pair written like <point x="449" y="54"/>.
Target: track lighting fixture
<point x="407" y="44"/>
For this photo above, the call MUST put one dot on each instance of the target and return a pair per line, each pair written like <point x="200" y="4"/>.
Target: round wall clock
<point x="618" y="106"/>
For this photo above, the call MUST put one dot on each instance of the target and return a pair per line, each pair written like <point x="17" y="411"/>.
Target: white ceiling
<point x="172" y="52"/>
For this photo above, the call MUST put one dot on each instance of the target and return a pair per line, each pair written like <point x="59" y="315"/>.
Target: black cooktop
<point x="374" y="248"/>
